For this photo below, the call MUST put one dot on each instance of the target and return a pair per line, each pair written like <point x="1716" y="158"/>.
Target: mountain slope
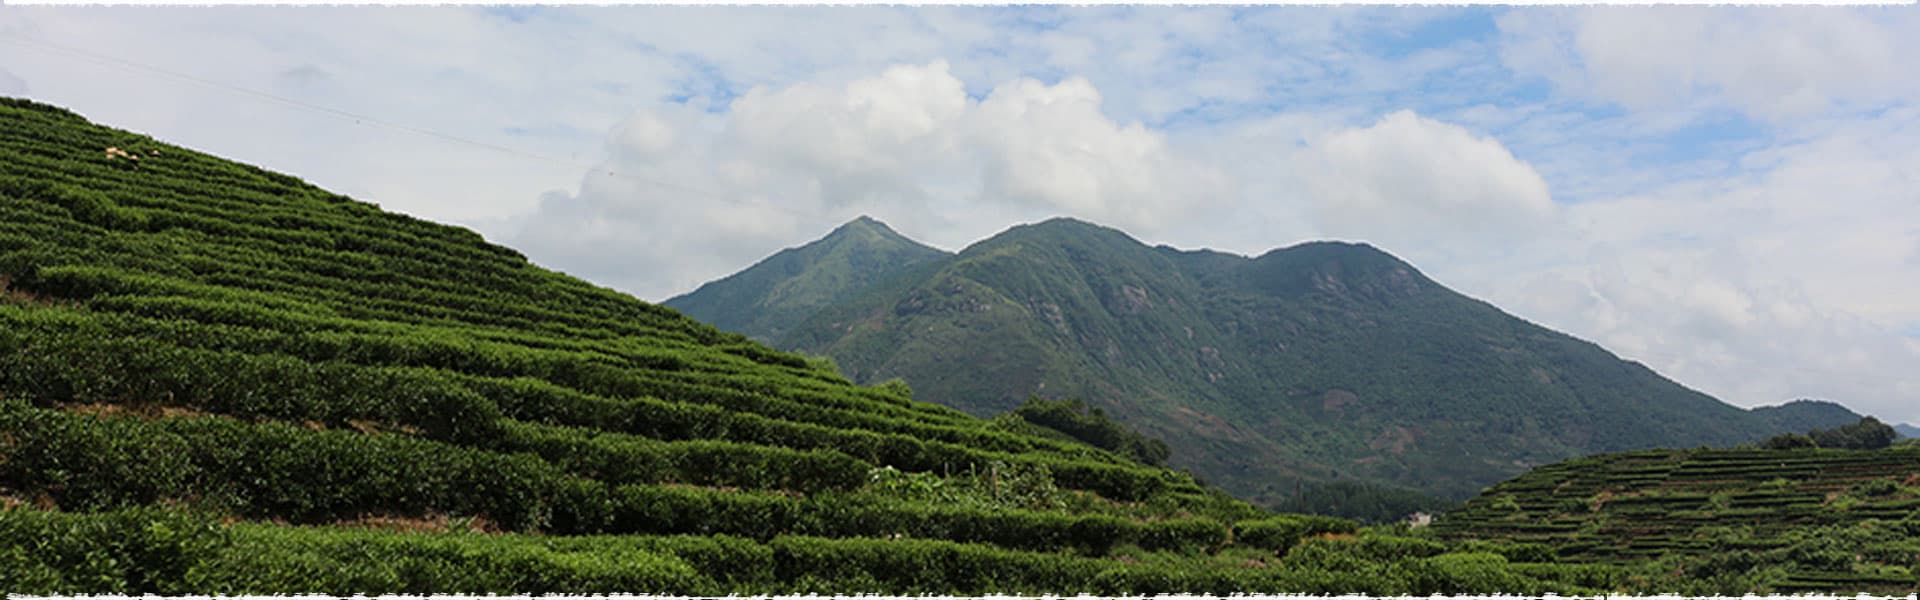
<point x="1324" y="361"/>
<point x="1907" y="430"/>
<point x="1805" y="415"/>
<point x="216" y="379"/>
<point x="1719" y="521"/>
<point x="766" y="299"/>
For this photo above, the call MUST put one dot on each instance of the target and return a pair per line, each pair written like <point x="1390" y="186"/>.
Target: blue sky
<point x="1726" y="194"/>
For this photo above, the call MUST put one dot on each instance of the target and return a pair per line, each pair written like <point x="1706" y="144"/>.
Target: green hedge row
<point x="271" y="470"/>
<point x="584" y="507"/>
<point x="1281" y="532"/>
<point x="629" y="376"/>
<point x="149" y="550"/>
<point x="52" y="364"/>
<point x="60" y="362"/>
<point x="262" y="470"/>
<point x="620" y="458"/>
<point x="535" y="400"/>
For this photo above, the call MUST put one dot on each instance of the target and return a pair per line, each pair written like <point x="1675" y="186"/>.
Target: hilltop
<point x="1320" y="362"/>
<point x="1803" y="415"/>
<point x="216" y="379"/>
<point x="766" y="300"/>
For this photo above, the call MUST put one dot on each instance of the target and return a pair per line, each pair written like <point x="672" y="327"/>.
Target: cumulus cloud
<point x="1720" y="322"/>
<point x="908" y="145"/>
<point x="1771" y="264"/>
<point x="1418" y="184"/>
<point x="1791" y="281"/>
<point x="1052" y="146"/>
<point x="1773" y="62"/>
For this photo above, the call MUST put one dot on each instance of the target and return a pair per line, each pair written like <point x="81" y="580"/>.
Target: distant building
<point x="1419" y="519"/>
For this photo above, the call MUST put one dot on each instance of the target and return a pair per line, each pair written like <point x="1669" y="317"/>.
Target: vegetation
<point x="1868" y="434"/>
<point x="1907" y="431"/>
<point x="1803" y="415"/>
<point x="218" y="379"/>
<point x="1365" y="502"/>
<point x="766" y="301"/>
<point x="1718" y="521"/>
<point x="1322" y="363"/>
<point x="1090" y="424"/>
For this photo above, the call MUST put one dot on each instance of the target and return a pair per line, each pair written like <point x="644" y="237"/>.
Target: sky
<point x="1728" y="195"/>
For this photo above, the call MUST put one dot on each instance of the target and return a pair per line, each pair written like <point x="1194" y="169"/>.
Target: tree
<point x="1789" y="441"/>
<point x="1091" y="425"/>
<point x="1868" y="434"/>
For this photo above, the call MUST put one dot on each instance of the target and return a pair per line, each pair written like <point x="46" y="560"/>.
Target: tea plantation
<point x="1719" y="521"/>
<point x="218" y="379"/>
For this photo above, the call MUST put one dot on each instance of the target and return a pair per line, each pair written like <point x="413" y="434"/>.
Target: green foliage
<point x="1361" y="501"/>
<point x="897" y="387"/>
<point x="1868" y="434"/>
<point x="769" y="298"/>
<point x="220" y="380"/>
<point x="1090" y="424"/>
<point x="1322" y="363"/>
<point x="1281" y="532"/>
<point x="1790" y="441"/>
<point x="1713" y="521"/>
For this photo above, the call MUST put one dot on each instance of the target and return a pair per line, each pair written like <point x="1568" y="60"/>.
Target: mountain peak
<point x="864" y="221"/>
<point x="1802" y="414"/>
<point x="864" y="224"/>
<point x="760" y="301"/>
<point x="1061" y="229"/>
<point x="1358" y="251"/>
<point x="1069" y="224"/>
<point x="1341" y="267"/>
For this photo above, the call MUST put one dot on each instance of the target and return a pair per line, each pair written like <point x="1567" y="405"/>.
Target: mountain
<point x="767" y="299"/>
<point x="216" y="379"/>
<point x="1711" y="522"/>
<point x="1321" y="362"/>
<point x="1800" y="416"/>
<point x="1907" y="430"/>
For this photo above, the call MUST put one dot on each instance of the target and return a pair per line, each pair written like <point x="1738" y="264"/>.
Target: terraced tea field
<point x="219" y="379"/>
<point x="1819" y="518"/>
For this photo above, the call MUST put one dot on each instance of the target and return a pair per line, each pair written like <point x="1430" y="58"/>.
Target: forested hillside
<point x="218" y="379"/>
<point x="767" y="300"/>
<point x="1302" y="377"/>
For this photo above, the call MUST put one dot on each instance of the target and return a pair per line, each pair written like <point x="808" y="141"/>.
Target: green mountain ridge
<point x="1805" y="414"/>
<point x="762" y="302"/>
<point x="220" y="380"/>
<point x="1319" y="362"/>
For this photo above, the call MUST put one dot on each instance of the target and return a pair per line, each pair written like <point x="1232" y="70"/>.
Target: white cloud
<point x="1721" y="322"/>
<point x="781" y="165"/>
<point x="1777" y="63"/>
<point x="734" y="131"/>
<point x="1421" y="185"/>
<point x="1793" y="281"/>
<point x="1053" y="147"/>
